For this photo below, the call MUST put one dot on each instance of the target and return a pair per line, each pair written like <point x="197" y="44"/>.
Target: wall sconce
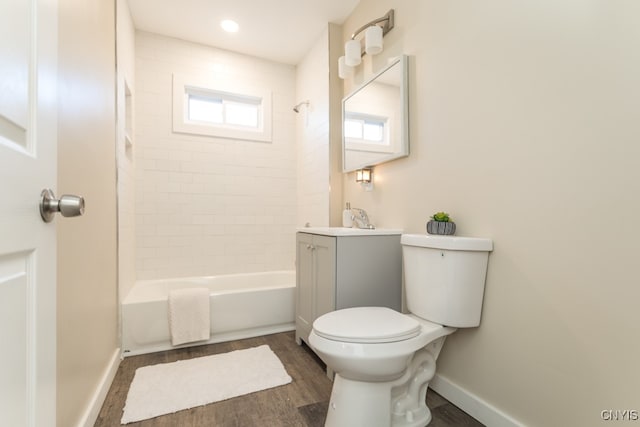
<point x="363" y="175"/>
<point x="372" y="43"/>
<point x="364" y="178"/>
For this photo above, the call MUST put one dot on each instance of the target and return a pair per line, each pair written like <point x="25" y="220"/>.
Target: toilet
<point x="384" y="360"/>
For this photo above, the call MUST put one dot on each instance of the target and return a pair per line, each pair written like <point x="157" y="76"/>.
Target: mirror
<point x="375" y="122"/>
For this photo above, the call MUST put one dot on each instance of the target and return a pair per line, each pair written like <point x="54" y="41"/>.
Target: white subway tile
<point x="211" y="205"/>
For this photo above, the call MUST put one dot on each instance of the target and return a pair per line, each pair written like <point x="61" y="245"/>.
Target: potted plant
<point x="441" y="223"/>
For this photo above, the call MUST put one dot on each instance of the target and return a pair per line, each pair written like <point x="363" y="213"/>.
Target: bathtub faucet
<point x="361" y="219"/>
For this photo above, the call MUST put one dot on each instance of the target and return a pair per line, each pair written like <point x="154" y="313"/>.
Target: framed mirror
<point x="375" y="122"/>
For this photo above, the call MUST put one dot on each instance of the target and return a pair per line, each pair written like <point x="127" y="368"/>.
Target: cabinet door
<point x="324" y="251"/>
<point x="304" y="286"/>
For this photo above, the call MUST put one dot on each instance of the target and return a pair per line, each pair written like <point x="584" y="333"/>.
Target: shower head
<point x="297" y="107"/>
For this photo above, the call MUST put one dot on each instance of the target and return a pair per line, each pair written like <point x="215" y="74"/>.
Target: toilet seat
<point x="366" y="325"/>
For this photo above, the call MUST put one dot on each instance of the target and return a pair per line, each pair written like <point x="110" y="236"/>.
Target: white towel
<point x="189" y="317"/>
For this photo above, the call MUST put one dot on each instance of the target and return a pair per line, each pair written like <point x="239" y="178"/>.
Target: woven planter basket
<point x="442" y="228"/>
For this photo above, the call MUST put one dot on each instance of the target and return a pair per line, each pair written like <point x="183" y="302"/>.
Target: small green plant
<point x="441" y="217"/>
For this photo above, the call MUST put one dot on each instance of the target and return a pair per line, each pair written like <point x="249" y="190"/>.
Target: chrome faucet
<point x="361" y="219"/>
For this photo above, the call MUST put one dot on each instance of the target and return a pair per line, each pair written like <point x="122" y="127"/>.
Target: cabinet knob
<point x="311" y="247"/>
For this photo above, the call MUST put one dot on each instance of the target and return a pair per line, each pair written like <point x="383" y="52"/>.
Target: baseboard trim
<point x="95" y="404"/>
<point x="473" y="405"/>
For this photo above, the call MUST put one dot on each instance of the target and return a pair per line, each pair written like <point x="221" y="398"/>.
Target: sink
<point x="343" y="231"/>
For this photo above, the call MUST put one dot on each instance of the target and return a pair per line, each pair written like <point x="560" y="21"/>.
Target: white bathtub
<point x="242" y="306"/>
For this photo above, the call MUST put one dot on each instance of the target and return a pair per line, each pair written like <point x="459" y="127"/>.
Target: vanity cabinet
<point x="338" y="269"/>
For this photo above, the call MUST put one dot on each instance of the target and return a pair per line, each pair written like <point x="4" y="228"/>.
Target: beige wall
<point x="336" y="204"/>
<point x="87" y="286"/>
<point x="524" y="127"/>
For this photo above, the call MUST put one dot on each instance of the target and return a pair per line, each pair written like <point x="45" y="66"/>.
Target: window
<point x="205" y="110"/>
<point x="223" y="110"/>
<point x="237" y="114"/>
<point x="366" y="132"/>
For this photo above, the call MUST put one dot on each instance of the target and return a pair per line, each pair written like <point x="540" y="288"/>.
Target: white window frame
<point x="185" y="86"/>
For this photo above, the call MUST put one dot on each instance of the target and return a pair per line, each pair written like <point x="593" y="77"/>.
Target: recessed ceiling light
<point x="230" y="26"/>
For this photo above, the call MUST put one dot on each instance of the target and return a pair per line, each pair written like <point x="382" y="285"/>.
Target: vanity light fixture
<point x="374" y="32"/>
<point x="364" y="178"/>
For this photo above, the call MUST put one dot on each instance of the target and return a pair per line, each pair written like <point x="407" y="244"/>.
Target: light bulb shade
<point x="352" y="53"/>
<point x="363" y="175"/>
<point x="344" y="71"/>
<point x="373" y="40"/>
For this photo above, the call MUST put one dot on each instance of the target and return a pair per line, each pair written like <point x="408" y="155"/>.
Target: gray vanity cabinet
<point x="315" y="280"/>
<point x="335" y="272"/>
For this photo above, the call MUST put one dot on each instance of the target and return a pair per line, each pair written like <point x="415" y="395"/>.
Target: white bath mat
<point x="170" y="387"/>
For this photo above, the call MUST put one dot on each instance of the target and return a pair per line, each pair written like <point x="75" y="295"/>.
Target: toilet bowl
<point x="351" y="343"/>
<point x="383" y="359"/>
<point x="371" y="367"/>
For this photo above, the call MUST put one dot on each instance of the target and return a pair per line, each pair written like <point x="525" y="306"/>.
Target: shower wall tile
<point x="312" y="128"/>
<point x="206" y="205"/>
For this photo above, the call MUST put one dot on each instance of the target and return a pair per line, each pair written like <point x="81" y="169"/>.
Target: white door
<point x="28" y="46"/>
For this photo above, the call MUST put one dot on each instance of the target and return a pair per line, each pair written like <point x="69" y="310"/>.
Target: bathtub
<point x="242" y="306"/>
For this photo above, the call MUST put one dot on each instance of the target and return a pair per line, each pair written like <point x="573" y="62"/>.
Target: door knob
<point x="67" y="205"/>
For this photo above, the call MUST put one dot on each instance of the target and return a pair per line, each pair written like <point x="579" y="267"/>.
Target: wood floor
<point x="301" y="403"/>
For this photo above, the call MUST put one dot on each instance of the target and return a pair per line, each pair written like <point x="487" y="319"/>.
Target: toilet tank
<point x="444" y="277"/>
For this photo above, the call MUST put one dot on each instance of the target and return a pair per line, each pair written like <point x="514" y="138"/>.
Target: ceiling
<point x="278" y="30"/>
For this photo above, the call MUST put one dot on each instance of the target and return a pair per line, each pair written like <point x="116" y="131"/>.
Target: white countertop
<point x="343" y="231"/>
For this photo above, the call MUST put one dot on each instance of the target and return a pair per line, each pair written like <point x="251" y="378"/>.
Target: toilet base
<point x="353" y="405"/>
<point x="398" y="403"/>
<point x="357" y="403"/>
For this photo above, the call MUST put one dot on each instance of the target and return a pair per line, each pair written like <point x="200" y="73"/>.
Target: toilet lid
<point x="366" y="325"/>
